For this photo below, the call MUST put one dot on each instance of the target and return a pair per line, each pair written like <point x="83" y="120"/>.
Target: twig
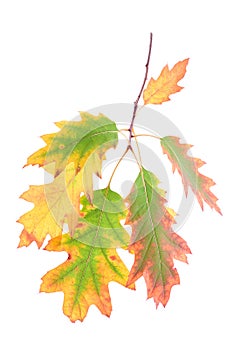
<point x="122" y="133"/>
<point x="118" y="163"/>
<point x="129" y="147"/>
<point x="139" y="96"/>
<point x="137" y="160"/>
<point x="148" y="135"/>
<point x="137" y="146"/>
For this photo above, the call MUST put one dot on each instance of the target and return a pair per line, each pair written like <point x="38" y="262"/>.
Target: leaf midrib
<point x="88" y="260"/>
<point x="153" y="228"/>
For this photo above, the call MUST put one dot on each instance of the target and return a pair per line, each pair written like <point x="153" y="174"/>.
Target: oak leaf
<point x="83" y="142"/>
<point x="55" y="203"/>
<point x="85" y="276"/>
<point x="158" y="91"/>
<point x="153" y="240"/>
<point x="99" y="222"/>
<point x="188" y="167"/>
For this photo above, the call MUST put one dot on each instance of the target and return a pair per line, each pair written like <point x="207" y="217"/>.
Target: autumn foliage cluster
<point x="95" y="217"/>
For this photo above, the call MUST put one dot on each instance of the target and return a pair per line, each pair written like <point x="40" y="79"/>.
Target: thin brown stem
<point x="123" y="129"/>
<point x="121" y="132"/>
<point x="118" y="163"/>
<point x="137" y="146"/>
<point x="137" y="160"/>
<point x="132" y="134"/>
<point x="142" y="88"/>
<point x="149" y="135"/>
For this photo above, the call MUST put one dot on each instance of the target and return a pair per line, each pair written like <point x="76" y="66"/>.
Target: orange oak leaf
<point x="84" y="277"/>
<point x="158" y="91"/>
<point x="153" y="240"/>
<point x="188" y="167"/>
<point x="55" y="203"/>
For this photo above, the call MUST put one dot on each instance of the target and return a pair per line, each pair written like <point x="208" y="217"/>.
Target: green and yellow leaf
<point x="93" y="261"/>
<point x="83" y="143"/>
<point x="188" y="167"/>
<point x="99" y="223"/>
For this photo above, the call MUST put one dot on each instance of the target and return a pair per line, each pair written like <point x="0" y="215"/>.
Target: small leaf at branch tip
<point x="158" y="91"/>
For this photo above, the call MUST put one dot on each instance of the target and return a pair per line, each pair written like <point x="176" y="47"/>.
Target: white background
<point x="58" y="57"/>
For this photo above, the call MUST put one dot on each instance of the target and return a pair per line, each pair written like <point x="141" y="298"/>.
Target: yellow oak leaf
<point x="55" y="203"/>
<point x="158" y="91"/>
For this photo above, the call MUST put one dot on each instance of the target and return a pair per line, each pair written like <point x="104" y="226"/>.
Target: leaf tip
<point x="130" y="284"/>
<point x="218" y="210"/>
